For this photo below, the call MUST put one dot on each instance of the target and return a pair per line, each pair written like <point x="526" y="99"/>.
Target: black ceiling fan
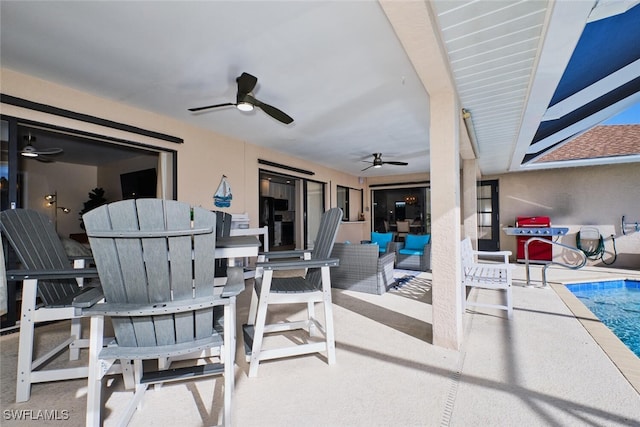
<point x="377" y="162"/>
<point x="30" y="151"/>
<point x="245" y="100"/>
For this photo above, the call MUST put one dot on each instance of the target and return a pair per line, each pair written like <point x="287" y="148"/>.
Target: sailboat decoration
<point x="222" y="198"/>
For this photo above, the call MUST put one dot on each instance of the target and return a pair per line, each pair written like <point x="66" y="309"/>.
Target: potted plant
<point x="96" y="198"/>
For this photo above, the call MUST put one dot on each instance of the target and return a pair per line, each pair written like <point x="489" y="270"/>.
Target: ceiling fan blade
<point x="31" y="151"/>
<point x="49" y="151"/>
<point x="246" y="83"/>
<point x="368" y="167"/>
<point x="271" y="110"/>
<point x="211" y="106"/>
<point x="396" y="163"/>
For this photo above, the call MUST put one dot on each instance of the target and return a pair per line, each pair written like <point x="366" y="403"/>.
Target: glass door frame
<point x="302" y="203"/>
<point x="12" y="162"/>
<point x="488" y="211"/>
<point x="424" y="187"/>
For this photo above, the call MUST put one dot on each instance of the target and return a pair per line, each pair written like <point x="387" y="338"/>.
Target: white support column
<point x="416" y="26"/>
<point x="470" y="200"/>
<point x="445" y="214"/>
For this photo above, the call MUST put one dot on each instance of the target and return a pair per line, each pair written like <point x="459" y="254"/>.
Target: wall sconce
<point x="52" y="200"/>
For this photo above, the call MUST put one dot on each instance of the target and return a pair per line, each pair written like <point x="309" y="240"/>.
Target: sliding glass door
<point x="291" y="208"/>
<point x="411" y="204"/>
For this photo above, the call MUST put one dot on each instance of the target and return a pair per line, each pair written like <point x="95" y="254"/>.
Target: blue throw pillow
<point x="410" y="252"/>
<point x="416" y="242"/>
<point x="381" y="239"/>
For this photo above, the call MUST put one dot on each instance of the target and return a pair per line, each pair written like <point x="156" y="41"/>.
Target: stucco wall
<point x="202" y="159"/>
<point x="575" y="197"/>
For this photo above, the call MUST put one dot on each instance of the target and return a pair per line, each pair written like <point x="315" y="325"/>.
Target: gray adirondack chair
<point x="46" y="273"/>
<point x="314" y="287"/>
<point x="157" y="265"/>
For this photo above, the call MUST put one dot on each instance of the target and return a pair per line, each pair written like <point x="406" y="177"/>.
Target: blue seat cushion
<point x="410" y="252"/>
<point x="416" y="242"/>
<point x="381" y="239"/>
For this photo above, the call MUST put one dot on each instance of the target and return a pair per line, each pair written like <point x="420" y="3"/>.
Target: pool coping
<point x="621" y="356"/>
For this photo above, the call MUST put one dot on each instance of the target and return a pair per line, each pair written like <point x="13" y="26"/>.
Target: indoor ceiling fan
<point x="31" y="151"/>
<point x="245" y="100"/>
<point x="377" y="162"/>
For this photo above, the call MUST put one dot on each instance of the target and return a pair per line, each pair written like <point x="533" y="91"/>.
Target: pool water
<point x="617" y="305"/>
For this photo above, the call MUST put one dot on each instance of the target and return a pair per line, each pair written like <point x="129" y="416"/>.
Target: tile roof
<point x="600" y="141"/>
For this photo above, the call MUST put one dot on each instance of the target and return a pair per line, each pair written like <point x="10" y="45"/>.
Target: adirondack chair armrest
<point x="284" y="254"/>
<point x="146" y="309"/>
<point x="235" y="282"/>
<point x="296" y="264"/>
<point x="88" y="298"/>
<point x="72" y="273"/>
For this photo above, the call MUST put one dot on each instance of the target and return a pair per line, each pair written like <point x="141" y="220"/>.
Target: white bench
<point x="487" y="275"/>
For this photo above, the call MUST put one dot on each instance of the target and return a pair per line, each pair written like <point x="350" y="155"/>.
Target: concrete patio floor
<point x="541" y="368"/>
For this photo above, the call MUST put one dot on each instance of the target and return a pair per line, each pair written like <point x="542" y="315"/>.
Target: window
<point x="343" y="201"/>
<point x="350" y="201"/>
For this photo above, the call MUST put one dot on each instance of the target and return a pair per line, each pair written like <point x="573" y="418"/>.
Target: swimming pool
<point x="617" y="304"/>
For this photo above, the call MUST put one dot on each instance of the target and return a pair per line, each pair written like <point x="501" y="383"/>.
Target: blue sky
<point x="628" y="116"/>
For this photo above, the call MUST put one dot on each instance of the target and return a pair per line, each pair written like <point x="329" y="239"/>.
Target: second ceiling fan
<point x="42" y="155"/>
<point x="377" y="162"/>
<point x="245" y="101"/>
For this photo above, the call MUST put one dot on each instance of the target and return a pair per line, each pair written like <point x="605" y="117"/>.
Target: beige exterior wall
<point x="202" y="159"/>
<point x="575" y="197"/>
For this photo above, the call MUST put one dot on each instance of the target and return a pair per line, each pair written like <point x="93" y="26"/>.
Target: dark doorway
<point x="488" y="216"/>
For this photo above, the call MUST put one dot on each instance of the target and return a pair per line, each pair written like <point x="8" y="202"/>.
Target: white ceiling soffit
<point x="493" y="48"/>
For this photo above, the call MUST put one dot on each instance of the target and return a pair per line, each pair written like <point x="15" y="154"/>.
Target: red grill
<point x="538" y="251"/>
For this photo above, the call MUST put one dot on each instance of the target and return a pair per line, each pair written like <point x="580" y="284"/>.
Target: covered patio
<point x="541" y="368"/>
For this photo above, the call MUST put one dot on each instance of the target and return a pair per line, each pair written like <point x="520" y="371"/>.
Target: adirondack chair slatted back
<point x="33" y="237"/>
<point x="223" y="229"/>
<point x="223" y="223"/>
<point x="323" y="245"/>
<point x="150" y="258"/>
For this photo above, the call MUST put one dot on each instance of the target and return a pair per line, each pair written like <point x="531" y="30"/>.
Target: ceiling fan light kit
<point x="244" y="106"/>
<point x="29" y="151"/>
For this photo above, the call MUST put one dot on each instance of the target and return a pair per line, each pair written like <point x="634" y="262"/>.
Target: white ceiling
<point x="336" y="67"/>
